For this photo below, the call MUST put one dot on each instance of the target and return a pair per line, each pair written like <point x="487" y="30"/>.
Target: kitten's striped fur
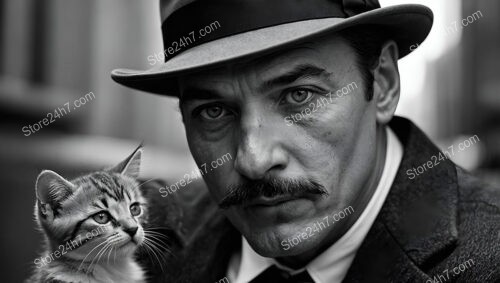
<point x="97" y="219"/>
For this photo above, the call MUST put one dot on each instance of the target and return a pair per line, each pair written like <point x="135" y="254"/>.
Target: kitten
<point x="92" y="225"/>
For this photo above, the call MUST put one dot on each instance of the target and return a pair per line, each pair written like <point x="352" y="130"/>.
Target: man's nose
<point x="260" y="149"/>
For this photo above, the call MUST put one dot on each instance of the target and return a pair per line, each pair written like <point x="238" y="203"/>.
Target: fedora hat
<point x="202" y="34"/>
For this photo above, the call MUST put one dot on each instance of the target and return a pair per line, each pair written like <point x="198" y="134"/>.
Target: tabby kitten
<point x="92" y="225"/>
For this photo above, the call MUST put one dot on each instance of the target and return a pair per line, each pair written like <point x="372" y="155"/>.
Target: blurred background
<point x="55" y="52"/>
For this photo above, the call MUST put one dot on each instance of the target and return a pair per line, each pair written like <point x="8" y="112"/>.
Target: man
<point x="302" y="95"/>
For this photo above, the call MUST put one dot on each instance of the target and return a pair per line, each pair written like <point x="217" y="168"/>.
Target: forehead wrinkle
<point x="243" y="84"/>
<point x="288" y="68"/>
<point x="297" y="72"/>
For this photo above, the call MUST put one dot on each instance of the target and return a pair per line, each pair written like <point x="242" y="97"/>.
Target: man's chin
<point x="280" y="240"/>
<point x="272" y="230"/>
<point x="281" y="246"/>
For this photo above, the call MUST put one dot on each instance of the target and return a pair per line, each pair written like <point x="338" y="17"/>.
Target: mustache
<point x="270" y="187"/>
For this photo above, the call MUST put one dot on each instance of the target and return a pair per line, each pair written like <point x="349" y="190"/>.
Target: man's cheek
<point x="211" y="133"/>
<point x="328" y="128"/>
<point x="323" y="117"/>
<point x="218" y="180"/>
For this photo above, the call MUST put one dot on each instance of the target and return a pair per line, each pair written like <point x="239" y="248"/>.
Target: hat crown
<point x="352" y="7"/>
<point x="182" y="19"/>
<point x="167" y="7"/>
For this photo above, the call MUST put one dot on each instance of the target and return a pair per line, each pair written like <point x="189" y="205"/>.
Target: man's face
<point x="262" y="113"/>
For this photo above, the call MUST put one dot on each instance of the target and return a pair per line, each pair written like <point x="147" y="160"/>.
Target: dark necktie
<point x="275" y="275"/>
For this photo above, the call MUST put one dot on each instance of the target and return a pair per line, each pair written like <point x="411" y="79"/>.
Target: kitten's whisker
<point x="159" y="237"/>
<point x="157" y="244"/>
<point x="89" y="254"/>
<point x="113" y="247"/>
<point x="160" y="257"/>
<point x="158" y="227"/>
<point x="107" y="246"/>
<point x="101" y="250"/>
<point x="158" y="241"/>
<point x="144" y="246"/>
<point x="155" y="230"/>
<point x="155" y="249"/>
<point x="89" y="268"/>
<point x="148" y="248"/>
<point x="161" y="249"/>
<point x="148" y="244"/>
<point x="106" y="242"/>
<point x="156" y="233"/>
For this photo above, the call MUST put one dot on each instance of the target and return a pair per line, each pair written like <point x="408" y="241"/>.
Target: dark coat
<point x="440" y="220"/>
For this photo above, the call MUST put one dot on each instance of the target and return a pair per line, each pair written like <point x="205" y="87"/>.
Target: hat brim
<point x="406" y="24"/>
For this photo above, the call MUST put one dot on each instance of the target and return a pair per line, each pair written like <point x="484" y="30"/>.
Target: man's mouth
<point x="282" y="208"/>
<point x="269" y="201"/>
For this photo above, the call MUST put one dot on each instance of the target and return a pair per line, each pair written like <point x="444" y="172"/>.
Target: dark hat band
<point x="204" y="21"/>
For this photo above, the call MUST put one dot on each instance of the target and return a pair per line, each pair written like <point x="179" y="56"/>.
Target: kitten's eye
<point x="135" y="209"/>
<point x="101" y="217"/>
<point x="298" y="96"/>
<point x="213" y="112"/>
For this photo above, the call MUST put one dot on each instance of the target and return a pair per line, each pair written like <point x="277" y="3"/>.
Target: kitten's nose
<point x="131" y="231"/>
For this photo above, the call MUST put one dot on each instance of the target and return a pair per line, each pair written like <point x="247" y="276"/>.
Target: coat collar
<point x="417" y="224"/>
<point x="420" y="212"/>
<point x="415" y="228"/>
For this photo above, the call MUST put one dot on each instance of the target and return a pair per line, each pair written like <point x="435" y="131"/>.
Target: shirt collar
<point x="331" y="265"/>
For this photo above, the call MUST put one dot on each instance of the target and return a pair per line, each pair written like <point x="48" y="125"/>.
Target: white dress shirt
<point x="330" y="266"/>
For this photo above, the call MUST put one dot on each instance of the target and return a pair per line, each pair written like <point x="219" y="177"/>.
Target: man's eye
<point x="212" y="112"/>
<point x="298" y="96"/>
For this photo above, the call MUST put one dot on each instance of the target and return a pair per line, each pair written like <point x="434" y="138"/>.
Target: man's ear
<point x="131" y="166"/>
<point x="52" y="189"/>
<point x="386" y="82"/>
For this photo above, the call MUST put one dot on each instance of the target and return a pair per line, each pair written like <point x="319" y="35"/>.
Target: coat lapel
<point x="416" y="226"/>
<point x="381" y="259"/>
<point x="207" y="252"/>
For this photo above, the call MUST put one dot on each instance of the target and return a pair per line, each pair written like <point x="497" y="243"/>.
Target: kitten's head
<point x="99" y="212"/>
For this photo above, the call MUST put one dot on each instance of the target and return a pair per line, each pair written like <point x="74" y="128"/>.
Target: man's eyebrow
<point x="197" y="94"/>
<point x="298" y="72"/>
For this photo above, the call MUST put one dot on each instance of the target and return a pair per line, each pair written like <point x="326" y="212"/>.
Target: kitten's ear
<point x="52" y="188"/>
<point x="131" y="166"/>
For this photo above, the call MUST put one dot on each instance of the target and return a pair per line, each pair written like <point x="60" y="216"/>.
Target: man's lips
<point x="266" y="201"/>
